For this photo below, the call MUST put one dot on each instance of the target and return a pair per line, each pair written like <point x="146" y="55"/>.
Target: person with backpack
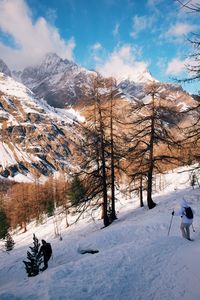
<point x="186" y="214"/>
<point x="46" y="251"/>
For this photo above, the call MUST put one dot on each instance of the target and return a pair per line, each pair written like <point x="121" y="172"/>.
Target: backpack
<point x="189" y="212"/>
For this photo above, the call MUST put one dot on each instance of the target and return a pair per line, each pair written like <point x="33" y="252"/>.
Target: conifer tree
<point x="192" y="140"/>
<point x="33" y="264"/>
<point x="4" y="225"/>
<point x="100" y="149"/>
<point x="9" y="242"/>
<point x="152" y="142"/>
<point x="76" y="191"/>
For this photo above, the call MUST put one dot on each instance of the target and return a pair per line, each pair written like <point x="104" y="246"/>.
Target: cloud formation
<point x="176" y="67"/>
<point x="140" y="23"/>
<point x="121" y="64"/>
<point x="96" y="46"/>
<point x="181" y="29"/>
<point x="115" y="31"/>
<point x="31" y="39"/>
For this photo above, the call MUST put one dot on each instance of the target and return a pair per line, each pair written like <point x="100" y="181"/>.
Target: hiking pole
<point x="170" y="224"/>
<point x="193" y="228"/>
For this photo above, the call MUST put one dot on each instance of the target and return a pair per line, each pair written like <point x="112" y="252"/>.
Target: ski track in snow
<point x="137" y="260"/>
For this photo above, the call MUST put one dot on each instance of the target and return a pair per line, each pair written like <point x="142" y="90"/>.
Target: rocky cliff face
<point x="35" y="138"/>
<point x="58" y="81"/>
<point x="62" y="82"/>
<point x="4" y="68"/>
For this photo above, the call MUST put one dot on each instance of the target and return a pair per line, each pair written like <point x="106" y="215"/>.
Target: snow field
<point x="137" y="260"/>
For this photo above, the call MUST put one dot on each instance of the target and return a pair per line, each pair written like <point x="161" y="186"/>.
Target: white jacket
<point x="181" y="212"/>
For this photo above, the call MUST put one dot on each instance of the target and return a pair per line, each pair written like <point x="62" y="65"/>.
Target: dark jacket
<point x="46" y="250"/>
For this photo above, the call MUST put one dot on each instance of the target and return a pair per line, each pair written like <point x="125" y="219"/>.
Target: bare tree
<point x="93" y="150"/>
<point x="192" y="132"/>
<point x="100" y="148"/>
<point x="151" y="137"/>
<point x="195" y="7"/>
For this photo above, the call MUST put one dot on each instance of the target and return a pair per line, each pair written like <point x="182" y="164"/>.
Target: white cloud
<point x="96" y="46"/>
<point x="96" y="52"/>
<point x="121" y="64"/>
<point x="176" y="67"/>
<point x="181" y="29"/>
<point x="33" y="39"/>
<point x="140" y="23"/>
<point x="153" y="3"/>
<point x="115" y="31"/>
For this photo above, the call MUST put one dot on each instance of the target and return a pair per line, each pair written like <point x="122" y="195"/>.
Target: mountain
<point x="135" y="91"/>
<point x="4" y="68"/>
<point x="58" y="81"/>
<point x="137" y="258"/>
<point x="35" y="137"/>
<point x="62" y="82"/>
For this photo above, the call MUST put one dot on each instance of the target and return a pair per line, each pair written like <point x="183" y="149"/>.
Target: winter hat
<point x="184" y="203"/>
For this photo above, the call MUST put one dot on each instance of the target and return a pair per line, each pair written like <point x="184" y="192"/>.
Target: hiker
<point x="46" y="251"/>
<point x="186" y="214"/>
<point x="193" y="180"/>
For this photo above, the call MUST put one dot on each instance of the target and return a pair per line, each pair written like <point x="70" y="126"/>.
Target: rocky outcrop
<point x="4" y="68"/>
<point x="34" y="137"/>
<point x="58" y="81"/>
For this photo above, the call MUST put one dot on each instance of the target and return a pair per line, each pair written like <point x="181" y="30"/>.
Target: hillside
<point x="35" y="137"/>
<point x="58" y="81"/>
<point x="63" y="82"/>
<point x="136" y="260"/>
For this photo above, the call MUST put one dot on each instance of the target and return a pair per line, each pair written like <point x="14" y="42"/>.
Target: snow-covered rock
<point x="34" y="135"/>
<point x="59" y="81"/>
<point x="4" y="68"/>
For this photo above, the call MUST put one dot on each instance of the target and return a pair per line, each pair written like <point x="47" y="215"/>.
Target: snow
<point x="12" y="90"/>
<point x="11" y="157"/>
<point x="7" y="156"/>
<point x="136" y="260"/>
<point x="28" y="100"/>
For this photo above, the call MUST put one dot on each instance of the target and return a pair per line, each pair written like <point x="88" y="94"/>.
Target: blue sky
<point x="115" y="37"/>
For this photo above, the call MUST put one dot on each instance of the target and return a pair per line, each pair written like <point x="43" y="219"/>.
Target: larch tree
<point x="193" y="67"/>
<point x="151" y="139"/>
<point x="100" y="147"/>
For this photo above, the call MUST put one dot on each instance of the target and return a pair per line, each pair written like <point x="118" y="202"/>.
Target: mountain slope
<point x="59" y="81"/>
<point x="136" y="260"/>
<point x="4" y="68"/>
<point x="62" y="82"/>
<point x="34" y="136"/>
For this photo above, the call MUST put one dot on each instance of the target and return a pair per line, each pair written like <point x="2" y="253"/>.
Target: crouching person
<point x="46" y="251"/>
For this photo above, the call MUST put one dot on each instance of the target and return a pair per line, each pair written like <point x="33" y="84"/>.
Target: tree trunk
<point x="141" y="193"/>
<point x="150" y="202"/>
<point x="104" y="176"/>
<point x="113" y="213"/>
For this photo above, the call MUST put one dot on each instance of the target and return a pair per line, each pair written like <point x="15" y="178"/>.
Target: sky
<point x="114" y="37"/>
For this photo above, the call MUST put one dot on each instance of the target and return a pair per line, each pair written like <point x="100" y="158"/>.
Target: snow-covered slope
<point x="136" y="91"/>
<point x="34" y="135"/>
<point x="58" y="81"/>
<point x="137" y="258"/>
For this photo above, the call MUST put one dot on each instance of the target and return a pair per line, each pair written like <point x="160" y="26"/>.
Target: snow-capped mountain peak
<point x="52" y="64"/>
<point x="56" y="80"/>
<point x="145" y="76"/>
<point x="4" y="68"/>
